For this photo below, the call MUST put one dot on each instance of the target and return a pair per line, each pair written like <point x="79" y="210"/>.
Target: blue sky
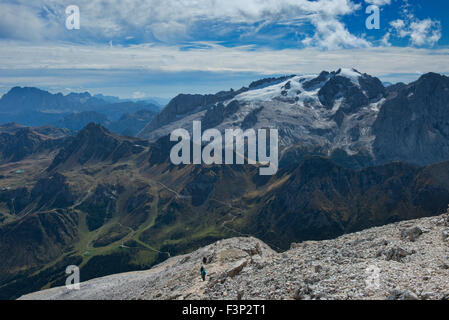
<point x="140" y="48"/>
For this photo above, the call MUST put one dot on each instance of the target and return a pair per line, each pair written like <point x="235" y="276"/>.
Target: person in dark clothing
<point x="204" y="260"/>
<point x="203" y="273"/>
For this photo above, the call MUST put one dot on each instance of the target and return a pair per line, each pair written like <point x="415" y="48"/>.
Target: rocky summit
<point x="408" y="260"/>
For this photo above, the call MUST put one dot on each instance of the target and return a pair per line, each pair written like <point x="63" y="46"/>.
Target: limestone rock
<point x="397" y="254"/>
<point x="445" y="234"/>
<point x="403" y="295"/>
<point x="236" y="268"/>
<point x="411" y="234"/>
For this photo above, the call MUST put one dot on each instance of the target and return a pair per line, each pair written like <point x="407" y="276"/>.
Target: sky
<point x="160" y="48"/>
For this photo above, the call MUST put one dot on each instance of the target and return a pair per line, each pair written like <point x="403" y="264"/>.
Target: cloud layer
<point x="216" y="58"/>
<point x="171" y="21"/>
<point x="281" y="23"/>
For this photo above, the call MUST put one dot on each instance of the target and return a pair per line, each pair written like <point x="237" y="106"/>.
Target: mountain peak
<point x="81" y="95"/>
<point x="24" y="90"/>
<point x="352" y="74"/>
<point x="432" y="76"/>
<point x="94" y="129"/>
<point x="96" y="143"/>
<point x="268" y="81"/>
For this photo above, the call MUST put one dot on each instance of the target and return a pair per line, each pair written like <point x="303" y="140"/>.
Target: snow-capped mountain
<point x="335" y="110"/>
<point x="331" y="112"/>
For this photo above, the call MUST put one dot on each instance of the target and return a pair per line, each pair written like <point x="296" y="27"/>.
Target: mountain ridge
<point x="343" y="111"/>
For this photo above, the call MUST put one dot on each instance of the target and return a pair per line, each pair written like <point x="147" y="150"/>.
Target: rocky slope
<point x="407" y="261"/>
<point x="96" y="143"/>
<point x="17" y="142"/>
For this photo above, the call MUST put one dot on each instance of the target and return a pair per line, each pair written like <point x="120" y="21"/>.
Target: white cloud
<point x="25" y="23"/>
<point x="332" y="34"/>
<point x="172" y="20"/>
<point x="385" y="41"/>
<point x="379" y="2"/>
<point x="425" y="32"/>
<point x="138" y="95"/>
<point x="398" y="24"/>
<point x="420" y="32"/>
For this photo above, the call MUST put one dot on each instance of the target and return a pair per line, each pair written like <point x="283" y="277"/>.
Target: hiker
<point x="204" y="260"/>
<point x="203" y="273"/>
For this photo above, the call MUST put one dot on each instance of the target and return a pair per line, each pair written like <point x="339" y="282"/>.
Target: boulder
<point x="445" y="234"/>
<point x="302" y="293"/>
<point x="411" y="234"/>
<point x="396" y="254"/>
<point x="236" y="268"/>
<point x="398" y="294"/>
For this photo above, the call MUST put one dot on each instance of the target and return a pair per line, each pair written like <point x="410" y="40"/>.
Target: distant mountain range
<point x="129" y="124"/>
<point x="149" y="100"/>
<point x="35" y="107"/>
<point x="354" y="155"/>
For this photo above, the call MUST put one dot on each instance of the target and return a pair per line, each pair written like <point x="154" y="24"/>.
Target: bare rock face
<point x="412" y="124"/>
<point x="378" y="263"/>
